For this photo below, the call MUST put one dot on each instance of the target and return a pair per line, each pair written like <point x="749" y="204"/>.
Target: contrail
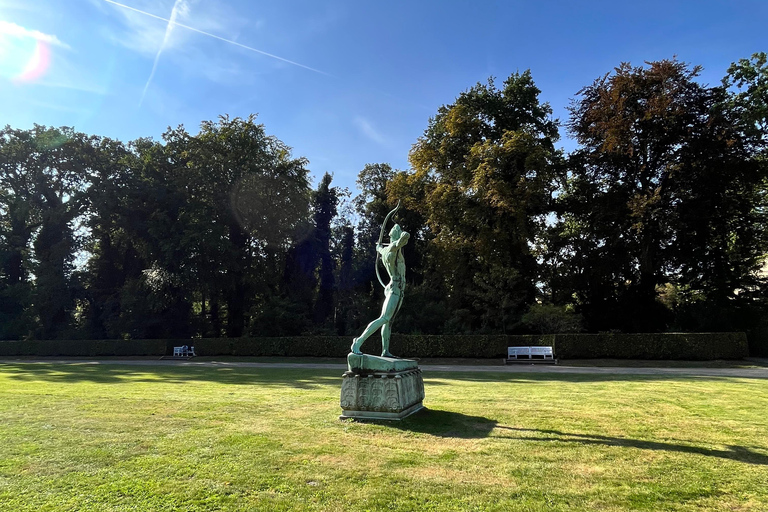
<point x="168" y="30"/>
<point x="215" y="37"/>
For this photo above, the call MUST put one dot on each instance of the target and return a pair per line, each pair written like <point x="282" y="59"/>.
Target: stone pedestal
<point x="381" y="388"/>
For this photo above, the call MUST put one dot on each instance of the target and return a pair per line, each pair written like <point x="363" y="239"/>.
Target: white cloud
<point x="146" y="33"/>
<point x="12" y="29"/>
<point x="369" y="131"/>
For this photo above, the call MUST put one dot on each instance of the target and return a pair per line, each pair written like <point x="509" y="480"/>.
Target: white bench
<point x="530" y="355"/>
<point x="184" y="351"/>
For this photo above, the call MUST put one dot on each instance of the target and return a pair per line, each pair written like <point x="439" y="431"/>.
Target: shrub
<point x="692" y="346"/>
<point x="758" y="340"/>
<point x="686" y="346"/>
<point x="475" y="346"/>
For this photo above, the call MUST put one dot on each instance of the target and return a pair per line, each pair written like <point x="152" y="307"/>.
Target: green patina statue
<point x="394" y="263"/>
<point x="386" y="387"/>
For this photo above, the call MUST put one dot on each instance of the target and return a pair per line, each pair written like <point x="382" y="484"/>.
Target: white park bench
<point x="530" y="355"/>
<point x="184" y="351"/>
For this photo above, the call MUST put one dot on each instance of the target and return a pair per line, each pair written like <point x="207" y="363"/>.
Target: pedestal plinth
<point x="381" y="388"/>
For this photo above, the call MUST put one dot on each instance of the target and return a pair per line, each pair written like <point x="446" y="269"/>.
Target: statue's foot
<point x="355" y="348"/>
<point x="386" y="353"/>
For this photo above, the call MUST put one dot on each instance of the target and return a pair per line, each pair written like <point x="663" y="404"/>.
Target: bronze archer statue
<point x="394" y="263"/>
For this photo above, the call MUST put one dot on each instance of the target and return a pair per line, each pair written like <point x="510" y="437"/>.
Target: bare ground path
<point x="754" y="373"/>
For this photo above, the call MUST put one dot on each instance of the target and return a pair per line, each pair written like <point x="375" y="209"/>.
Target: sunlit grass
<point x="86" y="437"/>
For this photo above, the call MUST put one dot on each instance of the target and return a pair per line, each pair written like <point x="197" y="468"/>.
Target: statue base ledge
<point x="365" y="363"/>
<point x="378" y="415"/>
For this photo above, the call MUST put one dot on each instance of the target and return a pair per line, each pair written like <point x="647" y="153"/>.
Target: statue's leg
<point x="372" y="327"/>
<point x="386" y="329"/>
<point x="376" y="324"/>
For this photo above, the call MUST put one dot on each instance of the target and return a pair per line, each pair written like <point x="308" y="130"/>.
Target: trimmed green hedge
<point x="314" y="346"/>
<point x="690" y="346"/>
<point x="490" y="346"/>
<point x="478" y="346"/>
<point x="758" y="340"/>
<point x="686" y="346"/>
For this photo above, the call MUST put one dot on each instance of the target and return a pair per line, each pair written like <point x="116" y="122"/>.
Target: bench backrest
<point x="515" y="351"/>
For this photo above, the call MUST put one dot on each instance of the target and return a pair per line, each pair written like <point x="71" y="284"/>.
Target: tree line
<point x="657" y="221"/>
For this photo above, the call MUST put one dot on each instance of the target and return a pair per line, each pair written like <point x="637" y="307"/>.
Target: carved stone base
<point x="383" y="396"/>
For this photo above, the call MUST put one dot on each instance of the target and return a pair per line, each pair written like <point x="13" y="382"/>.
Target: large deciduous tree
<point x="664" y="189"/>
<point x="254" y="195"/>
<point x="18" y="220"/>
<point x="44" y="180"/>
<point x="482" y="179"/>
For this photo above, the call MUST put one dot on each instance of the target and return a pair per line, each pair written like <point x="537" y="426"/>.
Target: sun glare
<point x="23" y="59"/>
<point x="37" y="64"/>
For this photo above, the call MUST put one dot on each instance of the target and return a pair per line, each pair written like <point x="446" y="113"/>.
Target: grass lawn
<point x="88" y="437"/>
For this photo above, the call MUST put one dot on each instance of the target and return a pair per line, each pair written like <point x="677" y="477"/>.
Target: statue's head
<point x="395" y="232"/>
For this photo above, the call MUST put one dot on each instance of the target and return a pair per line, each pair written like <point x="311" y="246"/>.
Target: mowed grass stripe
<point x="89" y="437"/>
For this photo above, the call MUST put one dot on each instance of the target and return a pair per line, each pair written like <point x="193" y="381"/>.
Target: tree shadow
<point x="748" y="455"/>
<point x="531" y="377"/>
<point x="115" y="374"/>
<point x="446" y="424"/>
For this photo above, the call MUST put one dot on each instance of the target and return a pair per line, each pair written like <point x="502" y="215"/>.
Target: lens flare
<point x="37" y="64"/>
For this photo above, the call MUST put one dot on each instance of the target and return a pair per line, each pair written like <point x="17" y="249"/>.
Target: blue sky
<point x="344" y="83"/>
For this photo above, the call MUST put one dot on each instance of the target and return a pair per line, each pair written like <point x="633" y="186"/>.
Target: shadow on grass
<point x="434" y="377"/>
<point x="304" y="378"/>
<point x="446" y="424"/>
<point x="114" y="374"/>
<point x="737" y="453"/>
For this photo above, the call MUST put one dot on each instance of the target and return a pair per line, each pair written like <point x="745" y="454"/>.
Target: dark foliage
<point x="656" y="222"/>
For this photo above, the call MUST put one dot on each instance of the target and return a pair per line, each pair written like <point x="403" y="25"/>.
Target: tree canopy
<point x="655" y="221"/>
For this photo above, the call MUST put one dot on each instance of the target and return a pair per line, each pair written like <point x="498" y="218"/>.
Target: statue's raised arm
<point x="379" y="246"/>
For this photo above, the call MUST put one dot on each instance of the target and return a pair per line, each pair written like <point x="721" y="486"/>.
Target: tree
<point x="111" y="244"/>
<point x="45" y="190"/>
<point x="749" y="101"/>
<point x="482" y="179"/>
<point x="189" y="236"/>
<point x="344" y="281"/>
<point x="309" y="278"/>
<point x="662" y="181"/>
<point x="551" y="319"/>
<point x="326" y="201"/>
<point x="255" y="195"/>
<point x="18" y="221"/>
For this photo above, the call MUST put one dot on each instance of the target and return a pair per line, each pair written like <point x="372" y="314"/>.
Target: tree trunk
<point x="236" y="295"/>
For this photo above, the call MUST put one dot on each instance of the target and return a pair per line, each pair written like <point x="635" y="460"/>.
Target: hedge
<point x="313" y="346"/>
<point x="479" y="346"/>
<point x="758" y="339"/>
<point x="686" y="346"/>
<point x="690" y="346"/>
